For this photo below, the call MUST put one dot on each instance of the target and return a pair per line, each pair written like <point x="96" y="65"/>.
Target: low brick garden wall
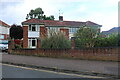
<point x="105" y="53"/>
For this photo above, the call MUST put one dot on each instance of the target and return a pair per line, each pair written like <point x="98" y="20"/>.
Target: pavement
<point x="102" y="67"/>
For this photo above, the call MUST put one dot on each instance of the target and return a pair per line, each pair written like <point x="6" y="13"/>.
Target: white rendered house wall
<point x="33" y="34"/>
<point x="4" y="30"/>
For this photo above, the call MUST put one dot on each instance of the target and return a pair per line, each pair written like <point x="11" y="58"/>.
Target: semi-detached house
<point x="35" y="29"/>
<point x="4" y="32"/>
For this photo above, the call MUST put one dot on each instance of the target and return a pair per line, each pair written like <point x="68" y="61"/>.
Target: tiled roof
<point x="58" y="23"/>
<point x="4" y="24"/>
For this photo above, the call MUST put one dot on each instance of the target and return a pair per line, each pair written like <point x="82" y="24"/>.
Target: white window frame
<point x="30" y="42"/>
<point x="37" y="28"/>
<point x="73" y="30"/>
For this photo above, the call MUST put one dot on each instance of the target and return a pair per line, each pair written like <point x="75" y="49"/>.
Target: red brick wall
<point x="66" y="31"/>
<point x="38" y="43"/>
<point x="85" y="53"/>
<point x="25" y="36"/>
<point x="43" y="32"/>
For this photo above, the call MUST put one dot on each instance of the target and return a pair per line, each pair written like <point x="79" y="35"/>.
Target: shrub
<point x="55" y="40"/>
<point x="17" y="46"/>
<point x="110" y="41"/>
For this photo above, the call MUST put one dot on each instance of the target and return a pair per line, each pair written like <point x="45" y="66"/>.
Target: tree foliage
<point x="88" y="37"/>
<point x="111" y="41"/>
<point x="38" y="13"/>
<point x="118" y="39"/>
<point x="85" y="37"/>
<point x="16" y="32"/>
<point x="56" y="40"/>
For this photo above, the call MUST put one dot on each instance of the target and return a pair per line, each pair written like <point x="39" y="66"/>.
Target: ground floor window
<point x="32" y="42"/>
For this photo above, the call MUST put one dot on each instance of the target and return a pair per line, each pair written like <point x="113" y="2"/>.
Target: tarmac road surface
<point x="11" y="71"/>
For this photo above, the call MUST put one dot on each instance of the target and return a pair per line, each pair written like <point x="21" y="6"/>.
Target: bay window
<point x="32" y="42"/>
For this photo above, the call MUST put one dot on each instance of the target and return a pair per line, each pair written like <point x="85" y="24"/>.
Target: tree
<point x="31" y="13"/>
<point x="16" y="32"/>
<point x="85" y="37"/>
<point x="48" y="18"/>
<point x="56" y="40"/>
<point x="38" y="14"/>
<point x="88" y="37"/>
<point x="118" y="39"/>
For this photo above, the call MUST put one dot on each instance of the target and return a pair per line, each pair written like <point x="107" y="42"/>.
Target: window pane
<point x="29" y="42"/>
<point x="38" y="28"/>
<point x="29" y="27"/>
<point x="33" y="42"/>
<point x="33" y="28"/>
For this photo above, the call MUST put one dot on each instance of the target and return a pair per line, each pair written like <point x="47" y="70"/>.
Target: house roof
<point x="4" y="24"/>
<point x="59" y="23"/>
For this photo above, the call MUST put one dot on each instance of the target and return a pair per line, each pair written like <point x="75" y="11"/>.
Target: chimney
<point x="60" y="18"/>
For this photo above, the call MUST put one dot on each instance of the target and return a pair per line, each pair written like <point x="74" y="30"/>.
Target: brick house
<point x="4" y="32"/>
<point x="35" y="29"/>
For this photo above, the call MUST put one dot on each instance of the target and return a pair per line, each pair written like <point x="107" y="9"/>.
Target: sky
<point x="103" y="12"/>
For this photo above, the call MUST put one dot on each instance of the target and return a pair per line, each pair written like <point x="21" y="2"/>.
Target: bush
<point x="110" y="41"/>
<point x="55" y="40"/>
<point x="17" y="46"/>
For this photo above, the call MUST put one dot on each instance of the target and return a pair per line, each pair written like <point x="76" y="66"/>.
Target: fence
<point x="104" y="53"/>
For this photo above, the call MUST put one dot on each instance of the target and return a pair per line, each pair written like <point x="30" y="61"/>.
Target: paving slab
<point x="105" y="67"/>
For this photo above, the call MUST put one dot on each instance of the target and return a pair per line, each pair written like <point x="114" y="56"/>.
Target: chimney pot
<point x="60" y="18"/>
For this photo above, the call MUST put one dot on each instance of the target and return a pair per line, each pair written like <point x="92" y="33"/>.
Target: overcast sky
<point x="103" y="12"/>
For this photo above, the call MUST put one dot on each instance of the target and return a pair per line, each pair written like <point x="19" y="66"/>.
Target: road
<point x="11" y="71"/>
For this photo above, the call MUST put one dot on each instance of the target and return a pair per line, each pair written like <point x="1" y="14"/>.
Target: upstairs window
<point x="34" y="27"/>
<point x="29" y="27"/>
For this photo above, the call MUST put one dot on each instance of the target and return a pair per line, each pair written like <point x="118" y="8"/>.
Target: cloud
<point x="10" y="11"/>
<point x="103" y="12"/>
